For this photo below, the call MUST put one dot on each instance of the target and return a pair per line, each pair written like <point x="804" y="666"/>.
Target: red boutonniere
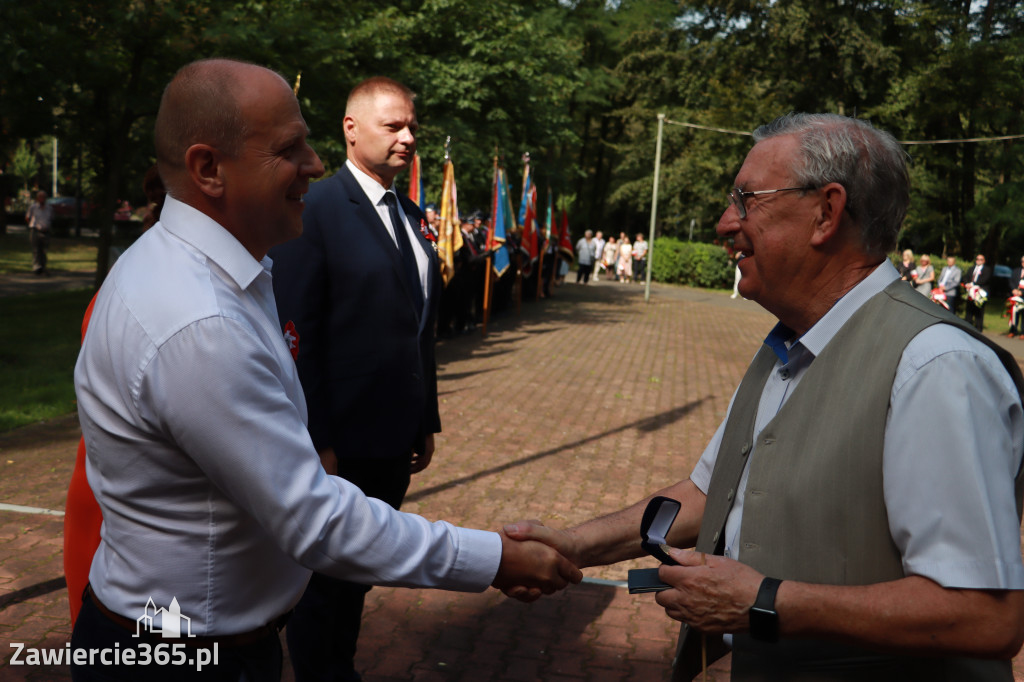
<point x="428" y="233"/>
<point x="291" y="337"/>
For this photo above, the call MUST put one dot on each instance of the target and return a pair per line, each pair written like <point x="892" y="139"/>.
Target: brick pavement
<point x="584" y="403"/>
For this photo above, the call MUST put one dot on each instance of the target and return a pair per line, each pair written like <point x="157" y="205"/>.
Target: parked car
<point x="65" y="207"/>
<point x="999" y="286"/>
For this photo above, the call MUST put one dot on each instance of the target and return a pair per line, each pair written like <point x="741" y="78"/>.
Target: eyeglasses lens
<point x="736" y="199"/>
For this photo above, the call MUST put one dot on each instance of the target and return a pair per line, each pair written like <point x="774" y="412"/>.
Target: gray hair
<point x="869" y="163"/>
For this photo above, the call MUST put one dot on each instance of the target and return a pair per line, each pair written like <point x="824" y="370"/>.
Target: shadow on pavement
<point x="647" y="424"/>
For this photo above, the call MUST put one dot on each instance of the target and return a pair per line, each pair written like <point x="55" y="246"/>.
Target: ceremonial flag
<point x="549" y="223"/>
<point x="529" y="239"/>
<point x="527" y="186"/>
<point x="499" y="225"/>
<point x="449" y="239"/>
<point x="416" y="182"/>
<point x="564" y="240"/>
<point x="509" y="210"/>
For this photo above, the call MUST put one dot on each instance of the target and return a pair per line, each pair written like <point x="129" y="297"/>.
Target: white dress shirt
<point x="198" y="453"/>
<point x="953" y="444"/>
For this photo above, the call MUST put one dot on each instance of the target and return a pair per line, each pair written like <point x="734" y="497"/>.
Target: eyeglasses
<point x="737" y="196"/>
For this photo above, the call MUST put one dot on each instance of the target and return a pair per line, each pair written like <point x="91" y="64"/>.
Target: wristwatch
<point x="764" y="619"/>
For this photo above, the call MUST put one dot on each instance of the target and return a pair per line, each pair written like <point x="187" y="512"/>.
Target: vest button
<point x="714" y="540"/>
<point x="730" y="495"/>
<point x="745" y="449"/>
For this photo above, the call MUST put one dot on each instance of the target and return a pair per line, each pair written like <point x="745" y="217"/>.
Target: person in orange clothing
<point x="82" y="521"/>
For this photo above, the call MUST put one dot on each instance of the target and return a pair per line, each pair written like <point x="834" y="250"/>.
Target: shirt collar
<point x="211" y="239"/>
<point x="371" y="188"/>
<point x="780" y="339"/>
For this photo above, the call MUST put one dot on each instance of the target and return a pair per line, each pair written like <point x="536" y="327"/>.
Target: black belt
<point x="226" y="641"/>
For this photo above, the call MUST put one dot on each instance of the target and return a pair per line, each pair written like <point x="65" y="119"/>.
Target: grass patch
<point x="66" y="254"/>
<point x="39" y="341"/>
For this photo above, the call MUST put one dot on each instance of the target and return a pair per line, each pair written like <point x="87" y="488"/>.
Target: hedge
<point x="692" y="263"/>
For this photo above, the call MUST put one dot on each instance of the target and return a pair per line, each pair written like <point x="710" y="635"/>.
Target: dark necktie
<point x="412" y="273"/>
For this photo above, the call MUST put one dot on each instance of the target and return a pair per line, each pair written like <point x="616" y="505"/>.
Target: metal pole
<point x="654" y="211"/>
<point x="54" y="192"/>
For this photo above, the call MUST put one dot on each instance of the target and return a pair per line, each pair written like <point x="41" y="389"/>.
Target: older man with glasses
<point x="856" y="514"/>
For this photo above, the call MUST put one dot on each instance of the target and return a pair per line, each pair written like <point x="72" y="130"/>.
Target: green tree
<point x="963" y="77"/>
<point x="25" y="163"/>
<point x="499" y="78"/>
<point x="734" y="66"/>
<point x="577" y="83"/>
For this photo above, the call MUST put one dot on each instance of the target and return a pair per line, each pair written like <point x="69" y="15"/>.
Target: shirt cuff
<point x="477" y="561"/>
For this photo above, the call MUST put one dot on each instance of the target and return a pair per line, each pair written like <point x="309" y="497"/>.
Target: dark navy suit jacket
<point x="366" y="359"/>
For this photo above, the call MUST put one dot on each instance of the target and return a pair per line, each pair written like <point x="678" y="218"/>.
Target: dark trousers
<point x="639" y="269"/>
<point x="974" y="314"/>
<point x="259" y="661"/>
<point x="583" y="272"/>
<point x="323" y="631"/>
<point x="40" y="241"/>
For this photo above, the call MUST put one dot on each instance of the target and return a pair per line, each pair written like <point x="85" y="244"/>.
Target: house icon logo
<point x="171" y="620"/>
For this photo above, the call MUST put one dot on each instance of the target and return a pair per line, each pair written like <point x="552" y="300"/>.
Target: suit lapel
<point x="412" y="212"/>
<point x="372" y="222"/>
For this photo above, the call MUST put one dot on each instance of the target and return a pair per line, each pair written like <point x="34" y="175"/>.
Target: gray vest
<point x="822" y="519"/>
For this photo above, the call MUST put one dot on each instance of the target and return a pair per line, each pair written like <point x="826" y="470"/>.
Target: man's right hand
<point x="529" y="569"/>
<point x="535" y="530"/>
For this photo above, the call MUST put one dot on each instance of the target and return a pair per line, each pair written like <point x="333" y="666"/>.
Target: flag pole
<point x="540" y="256"/>
<point x="519" y="251"/>
<point x="540" y="268"/>
<point x="654" y="211"/>
<point x="488" y="261"/>
<point x="554" y="238"/>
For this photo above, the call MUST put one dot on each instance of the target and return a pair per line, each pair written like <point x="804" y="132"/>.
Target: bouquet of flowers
<point x="939" y="296"/>
<point x="1014" y="309"/>
<point x="976" y="295"/>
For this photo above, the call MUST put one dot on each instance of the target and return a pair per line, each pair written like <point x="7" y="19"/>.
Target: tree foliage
<point x="577" y="83"/>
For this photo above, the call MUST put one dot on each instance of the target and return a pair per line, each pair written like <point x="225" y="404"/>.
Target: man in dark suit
<point x="360" y="289"/>
<point x="979" y="276"/>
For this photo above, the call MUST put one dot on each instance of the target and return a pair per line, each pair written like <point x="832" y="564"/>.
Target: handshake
<point x="535" y="560"/>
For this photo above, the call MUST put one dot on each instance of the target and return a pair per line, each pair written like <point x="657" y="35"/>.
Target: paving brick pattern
<point x="578" y="406"/>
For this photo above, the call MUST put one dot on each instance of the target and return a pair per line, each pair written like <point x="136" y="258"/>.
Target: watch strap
<point x="764" y="620"/>
<point x="766" y="594"/>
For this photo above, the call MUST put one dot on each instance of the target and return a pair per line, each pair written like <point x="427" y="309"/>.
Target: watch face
<point x="764" y="624"/>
